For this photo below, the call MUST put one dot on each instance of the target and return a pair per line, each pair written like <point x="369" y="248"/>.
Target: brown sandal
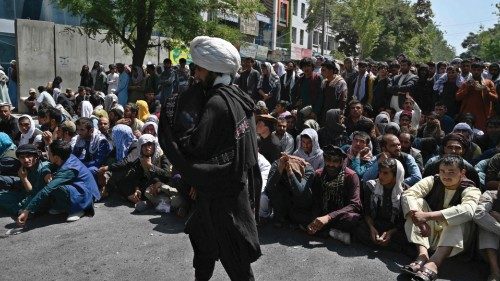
<point x="425" y="274"/>
<point x="413" y="267"/>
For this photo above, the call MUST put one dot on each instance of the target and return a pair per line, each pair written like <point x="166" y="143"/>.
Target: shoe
<point x="75" y="216"/>
<point x="141" y="206"/>
<point x="56" y="212"/>
<point x="343" y="237"/>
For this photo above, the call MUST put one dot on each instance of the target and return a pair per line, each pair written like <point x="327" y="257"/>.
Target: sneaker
<point x="56" y="212"/>
<point x="75" y="216"/>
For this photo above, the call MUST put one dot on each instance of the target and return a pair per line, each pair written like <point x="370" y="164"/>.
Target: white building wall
<point x="299" y="24"/>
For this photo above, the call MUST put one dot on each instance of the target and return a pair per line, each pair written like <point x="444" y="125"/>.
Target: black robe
<point x="220" y="153"/>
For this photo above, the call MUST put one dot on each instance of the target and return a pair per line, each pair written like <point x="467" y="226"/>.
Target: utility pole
<point x="324" y="29"/>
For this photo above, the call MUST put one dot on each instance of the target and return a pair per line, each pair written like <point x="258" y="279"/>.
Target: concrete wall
<point x="45" y="50"/>
<point x="35" y="55"/>
<point x="70" y="55"/>
<point x="100" y="51"/>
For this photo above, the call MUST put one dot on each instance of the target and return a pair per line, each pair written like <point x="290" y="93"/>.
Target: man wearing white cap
<point x="217" y="157"/>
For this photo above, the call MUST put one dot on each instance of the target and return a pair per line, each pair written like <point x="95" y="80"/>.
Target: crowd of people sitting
<point x="392" y="154"/>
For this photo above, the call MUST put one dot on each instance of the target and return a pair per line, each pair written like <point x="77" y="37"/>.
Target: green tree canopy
<point x="132" y="22"/>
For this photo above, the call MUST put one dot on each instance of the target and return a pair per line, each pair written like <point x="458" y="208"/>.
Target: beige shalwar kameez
<point x="455" y="230"/>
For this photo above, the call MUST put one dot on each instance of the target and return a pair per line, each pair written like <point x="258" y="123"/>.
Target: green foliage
<point x="132" y="22"/>
<point x="383" y="29"/>
<point x="484" y="44"/>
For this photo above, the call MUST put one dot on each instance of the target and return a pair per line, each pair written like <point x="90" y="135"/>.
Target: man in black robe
<point x="217" y="158"/>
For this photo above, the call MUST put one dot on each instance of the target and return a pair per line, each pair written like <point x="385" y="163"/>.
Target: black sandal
<point x="413" y="267"/>
<point x="425" y="274"/>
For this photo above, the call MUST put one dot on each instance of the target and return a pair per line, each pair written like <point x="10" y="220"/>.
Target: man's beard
<point x="333" y="172"/>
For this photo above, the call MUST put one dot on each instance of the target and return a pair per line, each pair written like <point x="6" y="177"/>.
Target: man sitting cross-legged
<point x="438" y="211"/>
<point x="336" y="197"/>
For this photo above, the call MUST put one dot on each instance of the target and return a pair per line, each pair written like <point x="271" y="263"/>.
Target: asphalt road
<point x="118" y="245"/>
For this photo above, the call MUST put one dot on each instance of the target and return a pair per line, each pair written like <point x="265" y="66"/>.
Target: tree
<point x="132" y="22"/>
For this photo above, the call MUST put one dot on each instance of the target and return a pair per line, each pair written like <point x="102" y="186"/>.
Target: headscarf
<point x="109" y="100"/>
<point x="86" y="109"/>
<point x="152" y="118"/>
<point x="146" y="138"/>
<point x="148" y="124"/>
<point x="273" y="77"/>
<point x="143" y="107"/>
<point x="381" y="121"/>
<point x="215" y="54"/>
<point x="279" y="68"/>
<point x="122" y="138"/>
<point x="5" y="143"/>
<point x="316" y="155"/>
<point x="394" y="126"/>
<point x="378" y="192"/>
<point x="25" y="138"/>
<point x="333" y="127"/>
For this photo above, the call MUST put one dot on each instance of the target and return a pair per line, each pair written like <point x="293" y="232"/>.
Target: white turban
<point x="215" y="54"/>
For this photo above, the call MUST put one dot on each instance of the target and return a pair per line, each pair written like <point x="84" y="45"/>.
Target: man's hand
<point x="363" y="152"/>
<point x="21" y="219"/>
<point x="374" y="235"/>
<point x="419" y="217"/>
<point x="385" y="238"/>
<point x="47" y="137"/>
<point x="282" y="162"/>
<point x="22" y="173"/>
<point x="154" y="189"/>
<point x="425" y="230"/>
<point x="102" y="170"/>
<point x="318" y="224"/>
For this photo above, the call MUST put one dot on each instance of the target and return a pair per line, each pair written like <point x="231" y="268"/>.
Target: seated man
<point x="49" y="118"/>
<point x="487" y="217"/>
<point x="406" y="140"/>
<point x="453" y="144"/>
<point x="72" y="189"/>
<point x="383" y="218"/>
<point x="411" y="108"/>
<point x="8" y="122"/>
<point x="336" y="197"/>
<point x="438" y="212"/>
<point x="289" y="190"/>
<point x="287" y="142"/>
<point x="268" y="143"/>
<point x="333" y="132"/>
<point x="359" y="154"/>
<point x="91" y="147"/>
<point x="148" y="167"/>
<point x="474" y="151"/>
<point x="33" y="175"/>
<point x="391" y="148"/>
<point x="308" y="149"/>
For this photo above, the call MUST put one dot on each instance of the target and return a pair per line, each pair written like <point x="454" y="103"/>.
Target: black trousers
<point x="204" y="262"/>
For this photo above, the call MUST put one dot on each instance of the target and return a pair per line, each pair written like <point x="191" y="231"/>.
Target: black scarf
<point x="435" y="198"/>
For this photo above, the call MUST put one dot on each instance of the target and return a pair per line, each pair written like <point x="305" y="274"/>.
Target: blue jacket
<point x="412" y="172"/>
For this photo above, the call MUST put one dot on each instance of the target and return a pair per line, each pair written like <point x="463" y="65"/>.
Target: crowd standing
<point x="397" y="154"/>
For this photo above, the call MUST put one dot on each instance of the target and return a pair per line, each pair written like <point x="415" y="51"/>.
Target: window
<point x="295" y="7"/>
<point x="294" y="35"/>
<point x="331" y="43"/>
<point x="283" y="12"/>
<point x="303" y="10"/>
<point x="315" y="38"/>
<point x="301" y="42"/>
